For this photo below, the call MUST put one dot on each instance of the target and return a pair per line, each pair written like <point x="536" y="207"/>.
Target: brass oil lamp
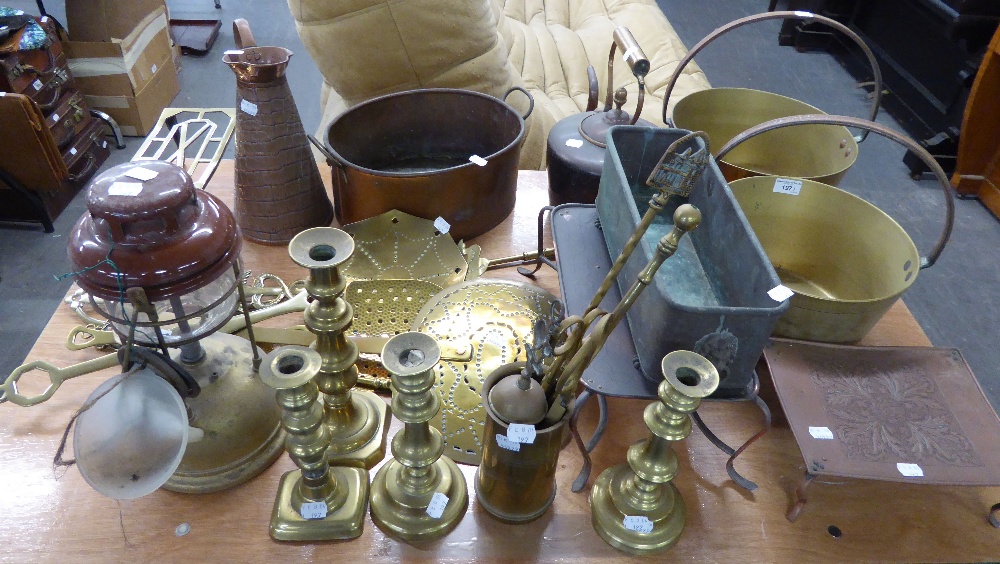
<point x="164" y="259"/>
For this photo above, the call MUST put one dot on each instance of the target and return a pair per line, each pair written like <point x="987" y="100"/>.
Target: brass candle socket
<point x="635" y="507"/>
<point x="315" y="502"/>
<point x="358" y="421"/>
<point x="418" y="495"/>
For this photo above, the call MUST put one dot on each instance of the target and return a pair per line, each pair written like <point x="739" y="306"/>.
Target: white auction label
<point x="575" y="143"/>
<point x="104" y="144"/>
<point x="787" y="186"/>
<point x="55" y="117"/>
<point x="442" y="225"/>
<point x="141" y="173"/>
<point x="72" y="150"/>
<point x="910" y="470"/>
<point x="507" y="444"/>
<point x="638" y="523"/>
<point x="313" y="510"/>
<point x="780" y="293"/>
<point x="821" y="432"/>
<point x="248" y="107"/>
<point x="521" y="433"/>
<point x="476" y="159"/>
<point x="152" y="69"/>
<point x="496" y="340"/>
<point x="37" y="84"/>
<point x="436" y="507"/>
<point x="125" y="189"/>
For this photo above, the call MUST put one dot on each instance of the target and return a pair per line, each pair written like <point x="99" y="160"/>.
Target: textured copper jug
<point x="278" y="188"/>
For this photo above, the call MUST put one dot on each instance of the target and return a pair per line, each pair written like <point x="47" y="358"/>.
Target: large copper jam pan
<point x="430" y="153"/>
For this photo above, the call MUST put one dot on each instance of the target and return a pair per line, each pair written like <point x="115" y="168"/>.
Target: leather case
<point x="27" y="150"/>
<point x="86" y="152"/>
<point x="69" y="118"/>
<point x="42" y="74"/>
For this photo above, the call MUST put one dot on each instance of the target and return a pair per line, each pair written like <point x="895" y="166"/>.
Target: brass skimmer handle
<point x="823" y="119"/>
<point x="796" y="15"/>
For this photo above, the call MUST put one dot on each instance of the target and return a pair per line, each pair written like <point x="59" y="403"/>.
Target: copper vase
<point x="278" y="188"/>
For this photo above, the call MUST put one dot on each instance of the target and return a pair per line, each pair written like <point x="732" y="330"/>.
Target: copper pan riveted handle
<point x="331" y="157"/>
<point x="823" y="119"/>
<point x="807" y="16"/>
<point x="531" y="100"/>
<point x="242" y="35"/>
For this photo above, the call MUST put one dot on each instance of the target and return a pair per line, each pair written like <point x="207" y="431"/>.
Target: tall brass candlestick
<point x="358" y="420"/>
<point x="315" y="502"/>
<point x="419" y="495"/>
<point x="635" y="507"/>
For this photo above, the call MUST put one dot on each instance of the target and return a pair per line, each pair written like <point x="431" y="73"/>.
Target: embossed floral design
<point x="900" y="415"/>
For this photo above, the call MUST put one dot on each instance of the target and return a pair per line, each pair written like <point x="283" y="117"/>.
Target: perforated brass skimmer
<point x="358" y="420"/>
<point x="634" y="506"/>
<point x="496" y="318"/>
<point x="397" y="245"/>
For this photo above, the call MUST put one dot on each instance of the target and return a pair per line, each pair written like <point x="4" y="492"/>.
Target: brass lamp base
<point x="240" y="424"/>
<point x="406" y="516"/>
<point x="609" y="517"/>
<point x="346" y="522"/>
<point x="349" y="447"/>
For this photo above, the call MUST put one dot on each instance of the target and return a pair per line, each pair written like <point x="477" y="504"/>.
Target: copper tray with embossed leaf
<point x="900" y="414"/>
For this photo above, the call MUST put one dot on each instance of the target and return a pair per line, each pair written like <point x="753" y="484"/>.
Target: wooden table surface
<point x="48" y="515"/>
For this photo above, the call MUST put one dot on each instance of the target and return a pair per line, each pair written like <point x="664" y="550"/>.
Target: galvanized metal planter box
<point x="712" y="295"/>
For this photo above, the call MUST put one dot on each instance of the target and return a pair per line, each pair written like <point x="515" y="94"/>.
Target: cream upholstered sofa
<point x="367" y="48"/>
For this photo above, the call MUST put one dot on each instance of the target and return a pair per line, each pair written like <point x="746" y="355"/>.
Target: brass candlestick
<point x="358" y="420"/>
<point x="419" y="495"/>
<point x="315" y="502"/>
<point x="635" y="507"/>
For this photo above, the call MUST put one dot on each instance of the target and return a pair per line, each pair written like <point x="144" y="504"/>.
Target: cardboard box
<point x="106" y="20"/>
<point x="132" y="79"/>
<point x="137" y="115"/>
<point x="116" y="68"/>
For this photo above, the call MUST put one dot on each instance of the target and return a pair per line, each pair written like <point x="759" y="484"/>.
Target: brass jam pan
<point x="821" y="152"/>
<point x="846" y="260"/>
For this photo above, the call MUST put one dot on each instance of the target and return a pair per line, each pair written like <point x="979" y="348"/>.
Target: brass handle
<point x="242" y="35"/>
<point x="86" y="336"/>
<point x="823" y="119"/>
<point x="56" y="377"/>
<point x="531" y="100"/>
<point x="876" y="99"/>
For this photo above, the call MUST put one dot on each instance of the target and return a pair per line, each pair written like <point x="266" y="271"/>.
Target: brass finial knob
<point x="687" y="217"/>
<point x="621" y="96"/>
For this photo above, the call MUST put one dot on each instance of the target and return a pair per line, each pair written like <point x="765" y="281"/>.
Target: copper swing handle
<point x="824" y="119"/>
<point x="242" y="35"/>
<point x="807" y="16"/>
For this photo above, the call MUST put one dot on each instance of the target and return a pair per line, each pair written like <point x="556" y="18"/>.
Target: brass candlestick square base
<point x="345" y="522"/>
<point x="375" y="413"/>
